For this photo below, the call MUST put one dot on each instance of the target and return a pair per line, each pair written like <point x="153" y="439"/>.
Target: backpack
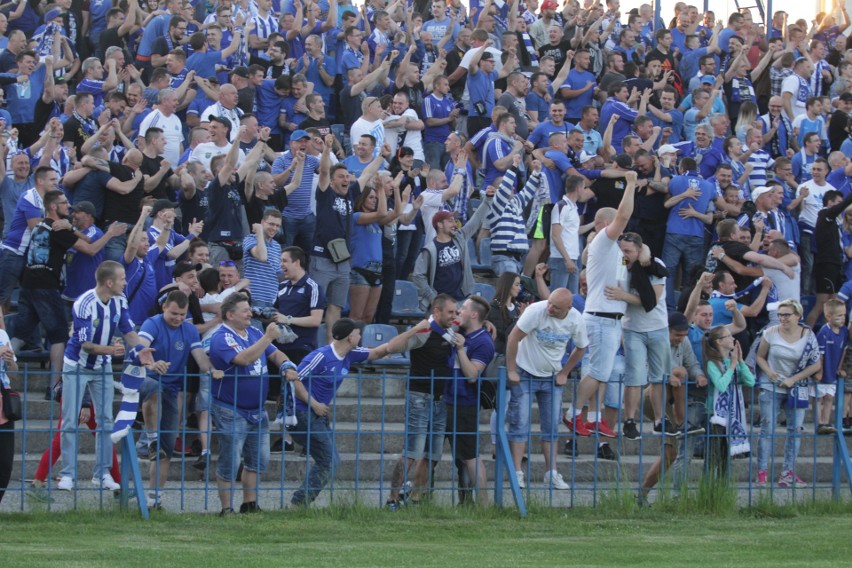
<point x="38" y="251"/>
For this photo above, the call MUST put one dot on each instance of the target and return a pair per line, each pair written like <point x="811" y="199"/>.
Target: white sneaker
<point x="65" y="483"/>
<point x="106" y="482"/>
<point x="520" y="476"/>
<point x="554" y="478"/>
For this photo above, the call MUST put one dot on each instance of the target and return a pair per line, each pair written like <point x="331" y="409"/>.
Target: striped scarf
<point x="528" y="45"/>
<point x="131" y="380"/>
<point x="816" y="78"/>
<point x="460" y="202"/>
<point x="729" y="412"/>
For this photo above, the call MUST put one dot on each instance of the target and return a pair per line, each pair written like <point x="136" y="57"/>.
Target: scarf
<point x="460" y="202"/>
<point x="771" y="298"/>
<point x="530" y="48"/>
<point x="729" y="411"/>
<point x="640" y="280"/>
<point x="131" y="380"/>
<point x="775" y="146"/>
<point x="542" y="196"/>
<point x="88" y="124"/>
<point x="288" y="393"/>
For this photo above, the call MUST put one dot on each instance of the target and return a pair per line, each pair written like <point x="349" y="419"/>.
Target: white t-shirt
<point x="205" y="152"/>
<point x="565" y="215"/>
<point x="605" y="267"/>
<point x="813" y="202"/>
<point x="791" y="85"/>
<point x="637" y="319"/>
<point x="540" y="353"/>
<point x="172" y="130"/>
<point x="233" y="115"/>
<point x="362" y="126"/>
<point x="413" y="138"/>
<point x="786" y="287"/>
<point x="432" y="203"/>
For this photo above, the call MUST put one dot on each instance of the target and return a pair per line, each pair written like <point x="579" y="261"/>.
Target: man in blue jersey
<point x="163" y="213"/>
<point x="173" y="340"/>
<point x="138" y="261"/>
<point x="321" y="373"/>
<point x="242" y="352"/>
<point x="98" y="315"/>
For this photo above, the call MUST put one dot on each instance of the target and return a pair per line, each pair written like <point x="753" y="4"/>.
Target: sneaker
<point x="575" y="426"/>
<point x="670" y="429"/>
<point x="180" y="448"/>
<point x="601" y="428"/>
<point x="153" y="503"/>
<point x="250" y="507"/>
<point x="826" y="429"/>
<point x="761" y="478"/>
<point x="226" y="512"/>
<point x="571" y="449"/>
<point x="393" y="506"/>
<point x="691" y="429"/>
<point x="201" y="462"/>
<point x="65" y="483"/>
<point x="554" y="479"/>
<point x="630" y="431"/>
<point x="520" y="476"/>
<point x="277" y="446"/>
<point x="155" y="453"/>
<point x="106" y="482"/>
<point x="605" y="453"/>
<point x="790" y="479"/>
<point x="141" y="451"/>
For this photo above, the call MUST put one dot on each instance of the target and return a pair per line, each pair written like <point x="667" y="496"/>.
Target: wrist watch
<point x="289" y="319"/>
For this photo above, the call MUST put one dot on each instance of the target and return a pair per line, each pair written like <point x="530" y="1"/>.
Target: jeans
<point x="45" y="306"/>
<point x="549" y="398"/>
<point x="238" y="438"/>
<point x="696" y="413"/>
<point x="647" y="356"/>
<point x="408" y="245"/>
<point x="11" y="269"/>
<point x="300" y="232"/>
<point x="807" y="261"/>
<point x="501" y="263"/>
<point x="560" y="277"/>
<point x="316" y="436"/>
<point x="604" y="340"/>
<point x="75" y="380"/>
<point x="426" y="424"/>
<point x="770" y="405"/>
<point x="681" y="249"/>
<point x="167" y="411"/>
<point x="436" y="155"/>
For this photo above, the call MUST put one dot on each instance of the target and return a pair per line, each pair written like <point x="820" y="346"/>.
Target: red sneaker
<point x="179" y="449"/>
<point x="602" y="428"/>
<point x="575" y="426"/>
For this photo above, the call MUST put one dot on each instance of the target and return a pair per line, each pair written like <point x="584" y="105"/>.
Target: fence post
<point x="502" y="452"/>
<point x="130" y="470"/>
<point x="841" y="451"/>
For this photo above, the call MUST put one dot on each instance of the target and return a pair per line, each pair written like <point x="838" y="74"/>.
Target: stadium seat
<point x="484" y="256"/>
<point x="487" y="291"/>
<point x="406" y="304"/>
<point x="475" y="265"/>
<point x="377" y="334"/>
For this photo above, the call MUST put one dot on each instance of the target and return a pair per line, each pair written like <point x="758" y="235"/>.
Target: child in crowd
<point x="832" y="337"/>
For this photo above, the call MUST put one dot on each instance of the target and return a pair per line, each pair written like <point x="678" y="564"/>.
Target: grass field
<point x="609" y="536"/>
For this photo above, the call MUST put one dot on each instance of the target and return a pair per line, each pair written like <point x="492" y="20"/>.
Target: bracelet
<point x="723" y="256"/>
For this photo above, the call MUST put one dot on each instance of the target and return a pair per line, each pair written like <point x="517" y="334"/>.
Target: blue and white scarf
<point x="729" y="412"/>
<point x="131" y="380"/>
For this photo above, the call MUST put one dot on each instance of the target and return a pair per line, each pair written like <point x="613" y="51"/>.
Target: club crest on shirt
<point x="179" y="345"/>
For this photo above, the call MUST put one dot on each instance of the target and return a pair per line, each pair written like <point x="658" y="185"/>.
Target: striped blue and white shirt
<point x="262" y="275"/>
<point x="96" y="322"/>
<point x="29" y="206"/>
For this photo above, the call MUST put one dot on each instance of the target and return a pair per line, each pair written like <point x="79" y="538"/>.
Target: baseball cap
<point x="299" y="135"/>
<point x="708" y="79"/>
<point x="678" y="321"/>
<point x="161" y="204"/>
<point x="585" y="157"/>
<point x="441" y="216"/>
<point x="223" y="121"/>
<point x="343" y="327"/>
<point x="182" y="268"/>
<point x="85" y="207"/>
<point x="549" y="5"/>
<point x="667" y="149"/>
<point x="758" y="191"/>
<point x="241" y="72"/>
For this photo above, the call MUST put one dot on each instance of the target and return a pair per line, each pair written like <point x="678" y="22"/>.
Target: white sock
<point x="594" y="416"/>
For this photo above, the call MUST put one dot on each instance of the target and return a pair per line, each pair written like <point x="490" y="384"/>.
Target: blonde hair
<point x="793" y="305"/>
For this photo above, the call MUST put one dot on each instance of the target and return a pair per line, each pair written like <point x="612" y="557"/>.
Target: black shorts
<point x="463" y="431"/>
<point x="828" y="278"/>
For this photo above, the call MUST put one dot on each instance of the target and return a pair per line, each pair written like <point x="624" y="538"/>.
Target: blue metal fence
<point x="367" y="426"/>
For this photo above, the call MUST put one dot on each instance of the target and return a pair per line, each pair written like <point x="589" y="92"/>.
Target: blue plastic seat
<point x="377" y="334"/>
<point x="406" y="304"/>
<point x="487" y="291"/>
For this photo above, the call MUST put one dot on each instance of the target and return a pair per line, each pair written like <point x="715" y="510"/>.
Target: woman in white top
<point x="788" y="354"/>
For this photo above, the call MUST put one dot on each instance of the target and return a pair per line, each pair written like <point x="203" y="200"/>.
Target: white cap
<point x="758" y="191"/>
<point x="667" y="149"/>
<point x="585" y="157"/>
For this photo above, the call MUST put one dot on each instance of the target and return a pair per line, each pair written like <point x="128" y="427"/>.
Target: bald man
<point x="225" y="108"/>
<point x="534" y="352"/>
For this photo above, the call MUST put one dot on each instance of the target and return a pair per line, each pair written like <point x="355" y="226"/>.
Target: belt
<point x="607" y="315"/>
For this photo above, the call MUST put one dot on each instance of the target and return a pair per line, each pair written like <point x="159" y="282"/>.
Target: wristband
<point x="286" y="366"/>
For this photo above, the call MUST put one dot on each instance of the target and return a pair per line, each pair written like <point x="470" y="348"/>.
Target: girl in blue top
<point x="371" y="214"/>
<point x="723" y="358"/>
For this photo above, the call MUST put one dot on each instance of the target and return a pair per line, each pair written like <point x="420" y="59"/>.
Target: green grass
<point x="355" y="536"/>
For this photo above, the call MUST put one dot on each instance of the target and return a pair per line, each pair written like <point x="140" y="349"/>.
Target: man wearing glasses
<point x="174" y="38"/>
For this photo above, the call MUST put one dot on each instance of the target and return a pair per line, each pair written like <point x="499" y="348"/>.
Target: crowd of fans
<point x="218" y="180"/>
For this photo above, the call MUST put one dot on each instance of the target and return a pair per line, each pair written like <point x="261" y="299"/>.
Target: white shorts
<point x="820" y="390"/>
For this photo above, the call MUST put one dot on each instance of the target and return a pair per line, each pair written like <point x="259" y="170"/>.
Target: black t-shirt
<point x="649" y="205"/>
<point x="123" y="208"/>
<point x="448" y="270"/>
<point x="557" y="52"/>
<point x="608" y="192"/>
<point x="334" y="213"/>
<point x="150" y="167"/>
<point x="736" y="251"/>
<point x="75" y="133"/>
<point x="43" y="113"/>
<point x="432" y="357"/>
<point x="196" y="208"/>
<point x="323" y="125"/>
<point x="224" y="218"/>
<point x="111" y="38"/>
<point x="46" y="273"/>
<point x="245" y="100"/>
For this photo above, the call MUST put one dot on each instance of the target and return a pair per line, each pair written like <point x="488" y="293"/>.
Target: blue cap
<point x="52" y="15"/>
<point x="299" y="135"/>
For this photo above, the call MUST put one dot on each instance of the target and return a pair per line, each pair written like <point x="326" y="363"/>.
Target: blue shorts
<point x="426" y="422"/>
<point x="549" y="398"/>
<point x="239" y="439"/>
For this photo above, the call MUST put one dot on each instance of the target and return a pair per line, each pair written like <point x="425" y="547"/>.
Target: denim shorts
<point x="604" y="341"/>
<point x="425" y="427"/>
<point x="549" y="398"/>
<point x="647" y="357"/>
<point x="240" y="439"/>
<point x="614" y="392"/>
<point x="333" y="278"/>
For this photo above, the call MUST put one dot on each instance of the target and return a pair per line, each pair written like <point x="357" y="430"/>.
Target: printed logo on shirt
<point x="179" y="345"/>
<point x="449" y="255"/>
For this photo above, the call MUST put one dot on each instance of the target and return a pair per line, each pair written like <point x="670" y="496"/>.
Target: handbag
<point x="338" y="250"/>
<point x="487" y="394"/>
<point x="13" y="409"/>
